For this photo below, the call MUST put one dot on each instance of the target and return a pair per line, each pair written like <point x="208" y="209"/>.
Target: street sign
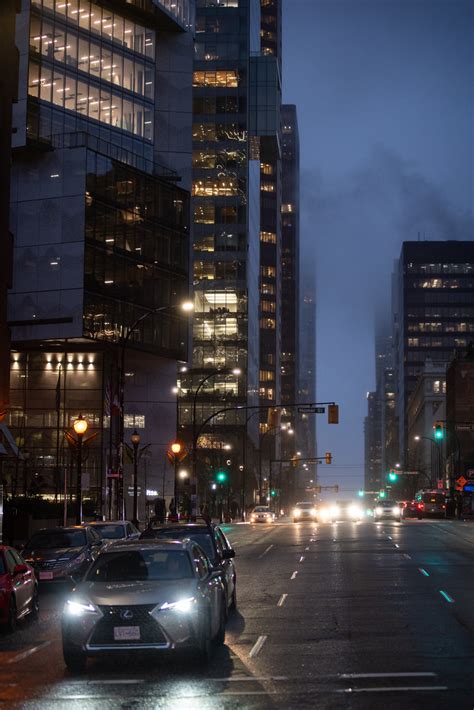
<point x="311" y="410"/>
<point x="460" y="483"/>
<point x="464" y="427"/>
<point x="441" y="484"/>
<point x="409" y="473"/>
<point x="111" y="473"/>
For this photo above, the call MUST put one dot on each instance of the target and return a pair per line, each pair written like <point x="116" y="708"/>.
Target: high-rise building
<point x="236" y="98"/>
<point x="458" y="434"/>
<point x="100" y="218"/>
<point x="373" y="445"/>
<point x="306" y="422"/>
<point x="8" y="95"/>
<point x="434" y="311"/>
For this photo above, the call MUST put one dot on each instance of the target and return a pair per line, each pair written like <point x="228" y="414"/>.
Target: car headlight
<point x="252" y="518"/>
<point x="354" y="511"/>
<point x="297" y="512"/>
<point x="76" y="608"/>
<point x="378" y="510"/>
<point x="314" y="512"/>
<point x="183" y="605"/>
<point x="335" y="511"/>
<point x="396" y="510"/>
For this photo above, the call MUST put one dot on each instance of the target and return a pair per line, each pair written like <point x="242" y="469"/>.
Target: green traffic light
<point x="392" y="477"/>
<point x="273" y="493"/>
<point x="439" y="433"/>
<point x="361" y="494"/>
<point x="221" y="477"/>
<point x="382" y="494"/>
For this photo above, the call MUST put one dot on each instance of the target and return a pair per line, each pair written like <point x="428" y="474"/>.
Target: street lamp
<point x="186" y="306"/>
<point x="80" y="426"/>
<point x="135" y="439"/>
<point x="226" y="371"/>
<point x="280" y="427"/>
<point x="438" y="450"/>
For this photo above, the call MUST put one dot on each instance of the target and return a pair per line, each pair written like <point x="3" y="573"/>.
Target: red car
<point x="18" y="588"/>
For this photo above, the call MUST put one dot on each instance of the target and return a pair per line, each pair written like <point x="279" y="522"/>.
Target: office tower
<point x="435" y="311"/>
<point x="306" y="422"/>
<point x="373" y="480"/>
<point x="101" y="239"/>
<point x="235" y="104"/>
<point x="8" y="94"/>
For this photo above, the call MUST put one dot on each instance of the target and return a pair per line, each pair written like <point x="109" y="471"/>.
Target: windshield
<point x="261" y="509"/>
<point x="57" y="538"/>
<point x="437" y="498"/>
<point x="141" y="566"/>
<point x="202" y="537"/>
<point x="305" y="506"/>
<point x="110" y="532"/>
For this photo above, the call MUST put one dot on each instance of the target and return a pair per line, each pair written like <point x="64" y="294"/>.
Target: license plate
<point x="46" y="575"/>
<point x="126" y="633"/>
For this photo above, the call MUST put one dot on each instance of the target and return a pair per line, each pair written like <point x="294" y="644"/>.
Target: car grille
<point x="51" y="564"/>
<point x="150" y="631"/>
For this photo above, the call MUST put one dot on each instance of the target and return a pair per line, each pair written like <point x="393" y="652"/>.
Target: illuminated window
<point x="267" y="376"/>
<point x="267" y="187"/>
<point x="287" y="208"/>
<point x="267" y="323"/>
<point x="267" y="168"/>
<point x="268" y="271"/>
<point x="216" y="188"/>
<point x="204" y="159"/>
<point x="268" y="237"/>
<point x="268" y="307"/>
<point x="204" y="214"/>
<point x="229" y="79"/>
<point x="267" y="289"/>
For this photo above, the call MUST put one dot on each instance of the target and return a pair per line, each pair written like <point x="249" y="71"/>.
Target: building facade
<point x="435" y="312"/>
<point x="100" y="218"/>
<point x="235" y="118"/>
<point x="459" y="425"/>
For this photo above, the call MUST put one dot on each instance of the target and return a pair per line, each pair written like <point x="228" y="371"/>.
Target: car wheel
<point x="35" y="604"/>
<point x="233" y="603"/>
<point x="204" y="646"/>
<point x="219" y="638"/>
<point x="75" y="659"/>
<point x="12" y="616"/>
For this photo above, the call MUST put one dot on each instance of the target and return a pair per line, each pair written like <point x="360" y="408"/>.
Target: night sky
<point x="384" y="90"/>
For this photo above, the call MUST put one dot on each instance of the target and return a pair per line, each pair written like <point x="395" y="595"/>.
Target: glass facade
<point x="136" y="256"/>
<point x="90" y="67"/>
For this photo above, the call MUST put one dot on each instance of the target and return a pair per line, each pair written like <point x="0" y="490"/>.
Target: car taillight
<point x="444" y="506"/>
<point x="420" y="506"/>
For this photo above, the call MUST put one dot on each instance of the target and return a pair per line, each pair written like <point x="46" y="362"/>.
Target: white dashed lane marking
<point x="293" y="576"/>
<point x="257" y="647"/>
<point x="282" y="599"/>
<point x="265" y="551"/>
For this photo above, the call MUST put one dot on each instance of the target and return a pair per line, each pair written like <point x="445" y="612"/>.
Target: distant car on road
<point x="56" y="554"/>
<point x="387" y="510"/>
<point x="212" y="540"/>
<point x="340" y="511"/>
<point x="116" y="529"/>
<point x="433" y="503"/>
<point x="262" y="514"/>
<point x="411" y="509"/>
<point x="145" y="595"/>
<point x="305" y="510"/>
<point x="18" y="588"/>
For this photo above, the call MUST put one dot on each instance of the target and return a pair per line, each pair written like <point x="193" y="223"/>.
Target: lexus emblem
<point x="126" y="614"/>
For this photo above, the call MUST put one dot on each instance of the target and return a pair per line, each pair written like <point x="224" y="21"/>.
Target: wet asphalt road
<point x="350" y="615"/>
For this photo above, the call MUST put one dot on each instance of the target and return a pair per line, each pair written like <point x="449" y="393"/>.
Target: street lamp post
<point x="280" y="427"/>
<point x="186" y="306"/>
<point x="438" y="450"/>
<point x="233" y="371"/>
<point x="135" y="438"/>
<point x="80" y="427"/>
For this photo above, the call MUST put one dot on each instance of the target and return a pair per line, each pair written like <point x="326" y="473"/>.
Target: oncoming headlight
<point x="297" y="512"/>
<point x="183" y="605"/>
<point x="354" y="511"/>
<point x="335" y="511"/>
<point x="396" y="510"/>
<point x="378" y="510"/>
<point x="73" y="608"/>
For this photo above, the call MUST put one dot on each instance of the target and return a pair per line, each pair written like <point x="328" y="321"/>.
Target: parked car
<point x="116" y="529"/>
<point x="262" y="514"/>
<point x="56" y="554"/>
<point x="18" y="588"/>
<point x="214" y="543"/>
<point x="146" y="595"/>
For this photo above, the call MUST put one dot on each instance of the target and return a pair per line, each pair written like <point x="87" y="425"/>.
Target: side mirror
<point x="20" y="569"/>
<point x="228" y="554"/>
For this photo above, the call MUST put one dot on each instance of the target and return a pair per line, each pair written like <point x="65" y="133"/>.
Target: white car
<point x="387" y="510"/>
<point x="262" y="514"/>
<point x="304" y="511"/>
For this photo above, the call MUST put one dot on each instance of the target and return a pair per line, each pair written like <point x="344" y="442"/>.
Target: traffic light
<point x="439" y="431"/>
<point x="382" y="494"/>
<point x="328" y="457"/>
<point x="392" y="476"/>
<point x="333" y="414"/>
<point x="273" y="493"/>
<point x="361" y="494"/>
<point x="221" y="477"/>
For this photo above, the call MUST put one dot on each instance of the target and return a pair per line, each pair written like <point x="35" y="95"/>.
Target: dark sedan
<point x="58" y="553"/>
